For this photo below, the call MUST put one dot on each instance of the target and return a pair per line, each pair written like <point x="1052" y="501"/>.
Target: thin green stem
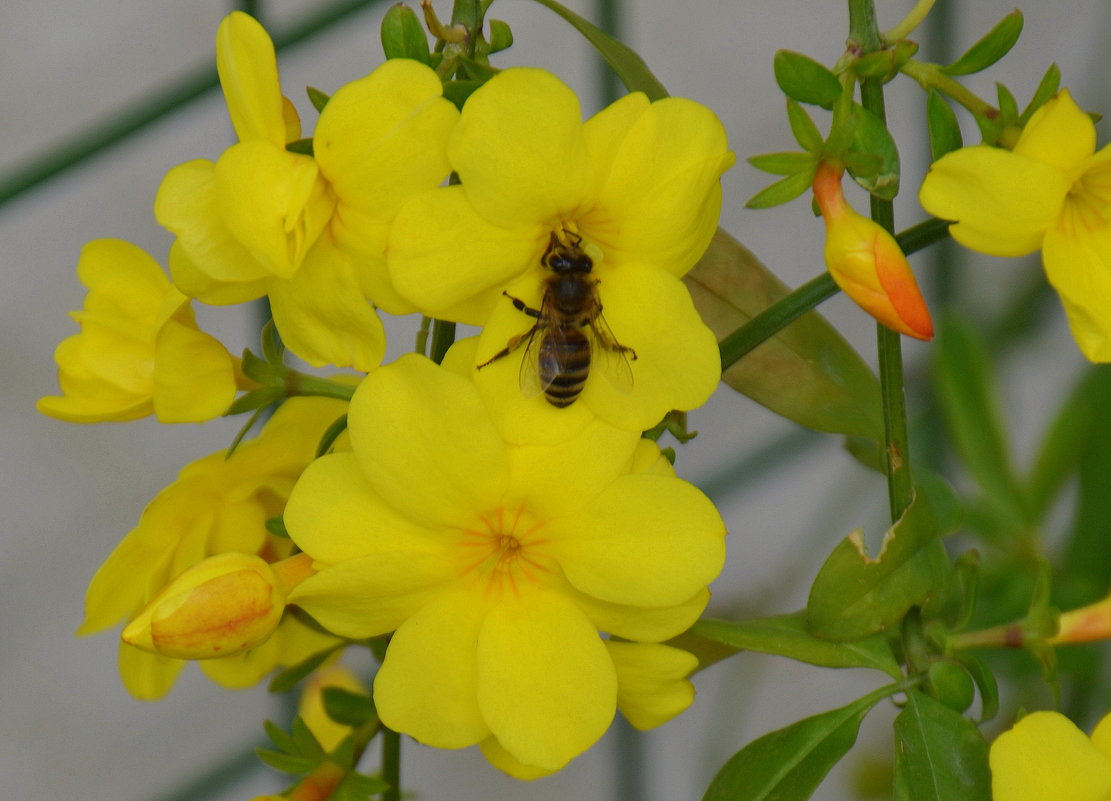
<point x="930" y="76"/>
<point x="302" y="384"/>
<point x="391" y="764"/>
<point x="922" y="235"/>
<point x="422" y="335"/>
<point x="443" y="337"/>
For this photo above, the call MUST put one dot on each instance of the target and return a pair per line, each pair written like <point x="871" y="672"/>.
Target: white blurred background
<point x="67" y="728"/>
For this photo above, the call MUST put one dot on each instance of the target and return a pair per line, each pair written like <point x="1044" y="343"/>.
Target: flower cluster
<point x="498" y="517"/>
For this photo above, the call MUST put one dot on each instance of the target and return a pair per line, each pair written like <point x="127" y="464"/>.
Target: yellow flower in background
<point x="1045" y="757"/>
<point x="311" y="709"/>
<point x="308" y="230"/>
<point x="867" y="263"/>
<point x="139" y="351"/>
<point x="217" y="505"/>
<point x="497" y="566"/>
<point x="635" y="189"/>
<point x="1052" y="192"/>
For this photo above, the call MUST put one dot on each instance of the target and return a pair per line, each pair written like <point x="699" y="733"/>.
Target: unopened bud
<point x="223" y="604"/>
<point x="867" y="263"/>
<point x="1086" y="624"/>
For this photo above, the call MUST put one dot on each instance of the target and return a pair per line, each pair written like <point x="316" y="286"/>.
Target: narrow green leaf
<point x="358" y="787"/>
<point x="782" y="191"/>
<point x="804" y="79"/>
<point x="1008" y="106"/>
<point x="996" y="44"/>
<point x="855" y="595"/>
<point x="284" y="762"/>
<point x="319" y="100"/>
<point x="807" y="372"/>
<point x="940" y="755"/>
<point x="805" y="131"/>
<point x="333" y="432"/>
<point x="273" y="349"/>
<point x="964" y="382"/>
<point x="348" y="708"/>
<point x="1047" y="88"/>
<point x="871" y="137"/>
<point x="403" y="35"/>
<point x="885" y="64"/>
<point x="784" y="163"/>
<point x="256" y="399"/>
<point x="279" y="736"/>
<point x="941" y="121"/>
<point x="789" y="636"/>
<point x="789" y="764"/>
<point x="304" y="741"/>
<point x="624" y="61"/>
<point x="302" y="146"/>
<point x="290" y="677"/>
<point x="501" y="36"/>
<point x="276" y="526"/>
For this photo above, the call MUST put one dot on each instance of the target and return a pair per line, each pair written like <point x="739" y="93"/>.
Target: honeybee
<point x="569" y="328"/>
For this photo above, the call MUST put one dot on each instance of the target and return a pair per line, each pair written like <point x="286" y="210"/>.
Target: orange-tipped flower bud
<point x="1086" y="624"/>
<point x="223" y="604"/>
<point x="866" y="262"/>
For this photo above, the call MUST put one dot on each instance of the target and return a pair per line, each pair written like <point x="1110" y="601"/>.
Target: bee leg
<point x="520" y="305"/>
<point x="512" y="345"/>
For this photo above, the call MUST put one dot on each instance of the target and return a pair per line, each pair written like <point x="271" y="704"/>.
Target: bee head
<point x="567" y="258"/>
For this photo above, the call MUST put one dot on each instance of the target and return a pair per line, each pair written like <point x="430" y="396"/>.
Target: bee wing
<point x="611" y="358"/>
<point x="529" y="374"/>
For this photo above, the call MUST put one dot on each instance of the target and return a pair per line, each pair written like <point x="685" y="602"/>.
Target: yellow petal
<point x="1101" y="736"/>
<point x="519" y="150"/>
<point x="605" y="132"/>
<point x="1059" y="133"/>
<point x="147" y="677"/>
<point x="652" y="685"/>
<point x="646" y="540"/>
<point x="1002" y="202"/>
<point x="642" y="623"/>
<point x="194" y="378"/>
<point x="322" y="314"/>
<point x="546" y="685"/>
<point x="248" y="70"/>
<point x="427" y="685"/>
<point x="1046" y="758"/>
<point x="505" y="762"/>
<point x="1078" y="264"/>
<point x="196" y="283"/>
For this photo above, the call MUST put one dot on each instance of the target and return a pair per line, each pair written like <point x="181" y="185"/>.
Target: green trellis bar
<point x="122" y="123"/>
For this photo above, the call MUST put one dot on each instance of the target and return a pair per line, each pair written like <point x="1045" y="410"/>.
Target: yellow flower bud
<point x="866" y="262"/>
<point x="1086" y="624"/>
<point x="222" y="605"/>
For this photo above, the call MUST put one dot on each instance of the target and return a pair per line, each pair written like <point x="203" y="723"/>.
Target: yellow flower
<point x="1045" y="757"/>
<point x="497" y="566"/>
<point x="1053" y="192"/>
<point x="139" y="351"/>
<point x="308" y="230"/>
<point x="218" y="505"/>
<point x="635" y="188"/>
<point x="867" y="263"/>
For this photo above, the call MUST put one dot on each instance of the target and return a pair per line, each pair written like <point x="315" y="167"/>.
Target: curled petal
<point x="248" y="69"/>
<point x="642" y="623"/>
<point x="652" y="685"/>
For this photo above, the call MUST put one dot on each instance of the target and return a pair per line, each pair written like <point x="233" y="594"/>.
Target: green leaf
<point x="358" y="787"/>
<point x="276" y="526"/>
<point x="885" y="64"/>
<point x="304" y="741"/>
<point x="501" y="36"/>
<point x="302" y="146"/>
<point x="784" y="163"/>
<point x="805" y="131"/>
<point x="624" y="61"/>
<point x="789" y="764"/>
<point x="986" y="684"/>
<point x="996" y="44"/>
<point x="939" y="755"/>
<point x="1008" y="106"/>
<point x="782" y="191"/>
<point x="319" y="100"/>
<point x="256" y="399"/>
<point x="1048" y="87"/>
<point x="870" y="136"/>
<point x="290" y="677"/>
<point x="941" y="121"/>
<point x="458" y="91"/>
<point x="284" y="762"/>
<point x="279" y="736"/>
<point x="403" y="35"/>
<point x="964" y="382"/>
<point x="788" y="635"/>
<point x="805" y="80"/>
<point x="273" y="349"/>
<point x="806" y="372"/>
<point x="331" y="434"/>
<point x="348" y="708"/>
<point x="855" y="595"/>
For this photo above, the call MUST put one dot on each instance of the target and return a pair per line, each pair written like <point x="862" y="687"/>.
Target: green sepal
<point x="992" y="47"/>
<point x="331" y="434"/>
<point x="1008" y="106"/>
<point x="885" y="64"/>
<point x="348" y="708"/>
<point x="790" y="763"/>
<point x="471" y="70"/>
<point x="623" y="60"/>
<point x="501" y="36"/>
<point x="273" y="349"/>
<point x="788" y="163"/>
<point x="986" y="685"/>
<point x="941" y="122"/>
<point x="304" y="741"/>
<point x="358" y="787"/>
<point x="939" y="754"/>
<point x="855" y="595"/>
<point x="804" y="79"/>
<point x="262" y="371"/>
<point x="871" y="137"/>
<point x="830" y="388"/>
<point x="278" y="736"/>
<point x="301" y="146"/>
<point x="318" y="99"/>
<point x="286" y="763"/>
<point x="256" y="399"/>
<point x="1047" y="88"/>
<point x="789" y="636"/>
<point x="276" y="526"/>
<point x="291" y="676"/>
<point x="458" y="91"/>
<point x="782" y="191"/>
<point x="403" y="35"/>
<point x="805" y="131"/>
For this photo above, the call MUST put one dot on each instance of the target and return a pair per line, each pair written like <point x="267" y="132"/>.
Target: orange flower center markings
<point x="504" y="551"/>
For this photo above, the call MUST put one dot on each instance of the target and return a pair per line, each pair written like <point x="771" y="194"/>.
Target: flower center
<point x="504" y="550"/>
<point x="1088" y="204"/>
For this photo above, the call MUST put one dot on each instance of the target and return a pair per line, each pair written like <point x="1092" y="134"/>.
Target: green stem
<point x="443" y="337"/>
<point x="391" y="764"/>
<point x="302" y="384"/>
<point x="930" y="75"/>
<point x="422" y="335"/>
